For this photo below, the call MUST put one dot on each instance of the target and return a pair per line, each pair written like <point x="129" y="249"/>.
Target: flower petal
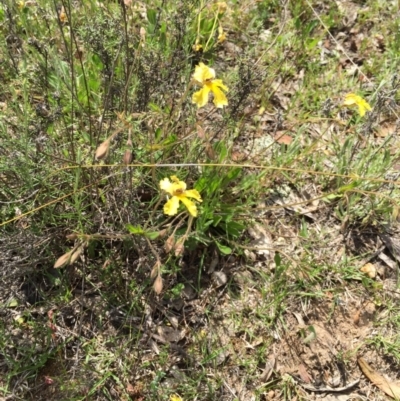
<point x="201" y="97"/>
<point x="166" y="185"/>
<point x="221" y="34"/>
<point x="202" y="73"/>
<point x="175" y="397"/>
<point x="220" y="99"/>
<point x="171" y="207"/>
<point x="193" y="193"/>
<point x="363" y="106"/>
<point x="191" y="207"/>
<point x="177" y="186"/>
<point x="219" y="83"/>
<point x="352" y="99"/>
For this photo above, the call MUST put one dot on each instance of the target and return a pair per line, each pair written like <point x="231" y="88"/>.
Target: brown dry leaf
<point x="208" y="148"/>
<point x="369" y="269"/>
<point x="209" y="151"/>
<point x="63" y="260"/>
<point x="283" y="139"/>
<point x="385" y="129"/>
<point x="389" y="388"/>
<point x="304" y="374"/>
<point x="200" y="132"/>
<point x="270" y="366"/>
<point x="261" y="239"/>
<point x="238" y="156"/>
<point x="169" y="335"/>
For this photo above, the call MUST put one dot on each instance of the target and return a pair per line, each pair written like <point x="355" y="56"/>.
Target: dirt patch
<point x="320" y="349"/>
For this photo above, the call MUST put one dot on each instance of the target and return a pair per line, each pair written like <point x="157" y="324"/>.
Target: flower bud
<point x="169" y="243"/>
<point x="158" y="285"/>
<point x="63" y="260"/>
<point x="102" y="150"/>
<point x="127" y="159"/>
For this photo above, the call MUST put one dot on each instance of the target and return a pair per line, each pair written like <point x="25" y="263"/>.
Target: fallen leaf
<point x="283" y="139"/>
<point x="385" y="129"/>
<point x="389" y="388"/>
<point x="269" y="368"/>
<point x="169" y="335"/>
<point x="304" y="374"/>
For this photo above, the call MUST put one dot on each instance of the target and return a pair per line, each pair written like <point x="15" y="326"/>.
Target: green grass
<point x="74" y="76"/>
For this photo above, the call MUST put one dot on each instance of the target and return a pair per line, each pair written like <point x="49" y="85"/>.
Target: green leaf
<point x="152" y="16"/>
<point x="158" y="133"/>
<point x="152" y="234"/>
<point x="277" y="259"/>
<point x="12" y="303"/>
<point x="234" y="228"/>
<point x="157" y="108"/>
<point x="225" y="250"/>
<point x="312" y="336"/>
<point x="216" y="220"/>
<point x="136" y="230"/>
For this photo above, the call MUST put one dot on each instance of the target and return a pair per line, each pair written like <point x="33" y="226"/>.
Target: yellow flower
<point x="352" y="99"/>
<point x="177" y="189"/>
<point x="197" y="47"/>
<point x="222" y="6"/>
<point x="205" y="76"/>
<point x="221" y="35"/>
<point x="175" y="397"/>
